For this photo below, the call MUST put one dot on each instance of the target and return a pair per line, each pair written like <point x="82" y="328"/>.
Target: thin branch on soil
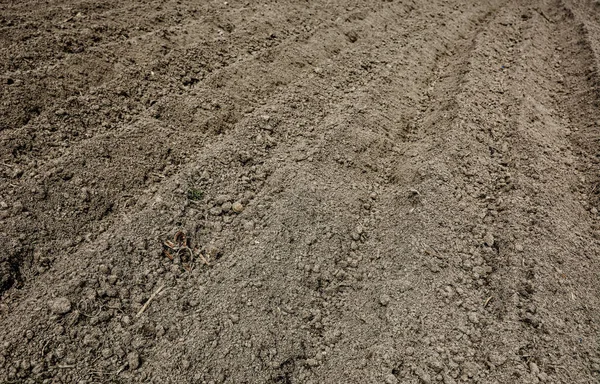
<point x="149" y="300"/>
<point x="487" y="301"/>
<point x="121" y="369"/>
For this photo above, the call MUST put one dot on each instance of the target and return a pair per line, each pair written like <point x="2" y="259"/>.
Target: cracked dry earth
<point x="386" y="191"/>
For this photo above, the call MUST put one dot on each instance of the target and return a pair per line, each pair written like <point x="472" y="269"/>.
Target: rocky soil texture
<point x="299" y="191"/>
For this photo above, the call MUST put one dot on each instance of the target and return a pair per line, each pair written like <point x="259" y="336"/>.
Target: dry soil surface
<point x="372" y="191"/>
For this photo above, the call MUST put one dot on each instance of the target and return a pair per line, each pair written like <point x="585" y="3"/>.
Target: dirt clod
<point x="133" y="360"/>
<point x="384" y="299"/>
<point x="60" y="306"/>
<point x="237" y="207"/>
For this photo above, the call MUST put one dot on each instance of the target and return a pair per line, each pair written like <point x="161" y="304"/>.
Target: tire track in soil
<point x="515" y="164"/>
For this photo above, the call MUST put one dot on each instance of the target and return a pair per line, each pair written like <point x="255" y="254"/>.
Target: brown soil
<point x="386" y="192"/>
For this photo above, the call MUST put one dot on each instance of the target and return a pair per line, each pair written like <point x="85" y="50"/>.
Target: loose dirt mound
<point x="287" y="192"/>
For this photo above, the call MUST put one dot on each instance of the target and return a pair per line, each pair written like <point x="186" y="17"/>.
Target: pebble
<point x="436" y="365"/>
<point x="60" y="306"/>
<point x="391" y="379"/>
<point x="384" y="300"/>
<point x="470" y="369"/>
<point x="535" y="370"/>
<point x="423" y="376"/>
<point x="222" y="199"/>
<point x="29" y="334"/>
<point x="519" y="248"/>
<point x="488" y="239"/>
<point x="473" y="318"/>
<point x="312" y="362"/>
<point x="133" y="359"/>
<point x="216" y="211"/>
<point x="249" y="225"/>
<point x="237" y="207"/>
<point x="226" y="206"/>
<point x="497" y="359"/>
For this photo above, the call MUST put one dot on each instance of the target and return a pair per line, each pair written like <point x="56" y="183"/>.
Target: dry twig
<point x="149" y="300"/>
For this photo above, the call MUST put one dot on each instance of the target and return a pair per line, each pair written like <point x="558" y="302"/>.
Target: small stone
<point x="473" y="318"/>
<point x="226" y="206"/>
<point x="133" y="359"/>
<point x="470" y="369"/>
<point x="384" y="300"/>
<point x="436" y="365"/>
<point x="312" y="362"/>
<point x="391" y="379"/>
<point x="106" y="353"/>
<point x="423" y="376"/>
<point x="249" y="225"/>
<point x="29" y="334"/>
<point x="90" y="340"/>
<point x="448" y="379"/>
<point x="488" y="239"/>
<point x="496" y="359"/>
<point x="216" y="211"/>
<point x="519" y="247"/>
<point x="352" y="36"/>
<point x="222" y="199"/>
<point x="543" y="377"/>
<point x="234" y="318"/>
<point x="535" y="370"/>
<point x="18" y="207"/>
<point x="237" y="207"/>
<point x="104" y="269"/>
<point x="529" y="318"/>
<point x="60" y="306"/>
